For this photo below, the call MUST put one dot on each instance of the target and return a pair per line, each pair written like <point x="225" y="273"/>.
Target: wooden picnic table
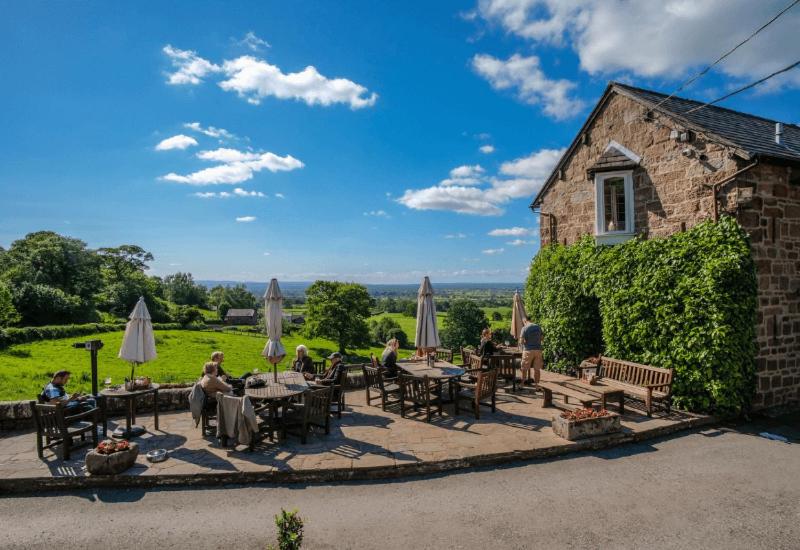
<point x="604" y="391"/>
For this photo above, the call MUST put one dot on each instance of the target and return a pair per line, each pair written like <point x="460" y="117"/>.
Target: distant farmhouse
<point x="241" y="317"/>
<point x="294" y="318"/>
<point x="652" y="165"/>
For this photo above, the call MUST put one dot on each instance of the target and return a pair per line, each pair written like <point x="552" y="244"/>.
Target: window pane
<point x="614" y="202"/>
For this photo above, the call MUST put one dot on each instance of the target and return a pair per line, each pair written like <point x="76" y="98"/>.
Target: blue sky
<point x="352" y="130"/>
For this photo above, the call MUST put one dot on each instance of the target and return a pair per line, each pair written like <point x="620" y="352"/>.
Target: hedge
<point x="687" y="302"/>
<point x="12" y="336"/>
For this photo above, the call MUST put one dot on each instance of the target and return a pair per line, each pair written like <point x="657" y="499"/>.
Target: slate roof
<point x="240" y="313"/>
<point x="612" y="159"/>
<point x="750" y="134"/>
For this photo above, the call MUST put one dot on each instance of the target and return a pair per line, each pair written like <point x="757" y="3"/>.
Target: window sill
<point x="613" y="238"/>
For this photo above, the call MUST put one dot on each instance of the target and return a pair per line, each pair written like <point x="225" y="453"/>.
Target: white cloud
<point x="682" y="35"/>
<point x="493" y="251"/>
<point x="237" y="171"/>
<point x="253" y="79"/>
<point x="520" y="242"/>
<point x="226" y="155"/>
<point x="279" y="196"/>
<point x="218" y="133"/>
<point x="525" y="75"/>
<point x="253" y="42"/>
<point x="377" y="213"/>
<point x="239" y="192"/>
<point x="189" y="67"/>
<point x="512" y="232"/>
<point x="180" y="141"/>
<point x="267" y="254"/>
<point x="455" y="236"/>
<point x="463" y="191"/>
<point x="486" y="149"/>
<point x="246" y="219"/>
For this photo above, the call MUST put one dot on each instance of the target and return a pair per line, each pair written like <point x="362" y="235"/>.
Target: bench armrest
<point x="80" y="416"/>
<point x="466" y="385"/>
<point x="656" y="386"/>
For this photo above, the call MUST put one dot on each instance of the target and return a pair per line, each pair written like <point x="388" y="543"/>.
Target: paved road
<point x="713" y="489"/>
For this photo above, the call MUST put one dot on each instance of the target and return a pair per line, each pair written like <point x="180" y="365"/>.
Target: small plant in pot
<point x="582" y="423"/>
<point x="111" y="457"/>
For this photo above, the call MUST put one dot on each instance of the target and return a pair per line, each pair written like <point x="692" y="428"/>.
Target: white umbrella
<point x="518" y="316"/>
<point x="427" y="332"/>
<point x="138" y="343"/>
<point x="274" y="350"/>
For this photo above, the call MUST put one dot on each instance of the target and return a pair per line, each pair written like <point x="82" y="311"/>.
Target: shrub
<point x="13" y="336"/>
<point x="402" y="337"/>
<point x="463" y="324"/>
<point x="290" y="530"/>
<point x="187" y="315"/>
<point x="686" y="302"/>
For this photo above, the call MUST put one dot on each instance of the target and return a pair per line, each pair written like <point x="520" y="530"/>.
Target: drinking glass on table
<point x="107" y="382"/>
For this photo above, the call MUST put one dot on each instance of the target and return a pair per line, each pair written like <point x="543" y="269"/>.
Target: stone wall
<point x="672" y="193"/>
<point x="770" y="212"/>
<point x="671" y="190"/>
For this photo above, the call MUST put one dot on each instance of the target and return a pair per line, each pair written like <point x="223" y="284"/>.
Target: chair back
<point x="503" y="364"/>
<point x="317" y="403"/>
<point x="466" y="352"/>
<point x="443" y="354"/>
<point x="373" y="377"/>
<point x="319" y="366"/>
<point x="475" y="361"/>
<point x="486" y="384"/>
<point x="374" y="361"/>
<point x="414" y="388"/>
<point x="49" y="419"/>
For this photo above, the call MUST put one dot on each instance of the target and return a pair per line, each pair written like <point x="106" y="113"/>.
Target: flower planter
<point x="588" y="427"/>
<point x="111" y="464"/>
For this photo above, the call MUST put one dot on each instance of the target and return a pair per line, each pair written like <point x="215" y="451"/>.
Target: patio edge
<point x="367" y="473"/>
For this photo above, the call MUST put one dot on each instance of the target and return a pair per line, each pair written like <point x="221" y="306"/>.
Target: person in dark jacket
<point x="389" y="358"/>
<point x="487" y="347"/>
<point x="333" y="376"/>
<point x="302" y="363"/>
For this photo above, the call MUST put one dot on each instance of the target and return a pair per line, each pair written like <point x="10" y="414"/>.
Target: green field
<point x="26" y="368"/>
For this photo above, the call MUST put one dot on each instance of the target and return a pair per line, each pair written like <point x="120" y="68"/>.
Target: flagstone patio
<point x="365" y="443"/>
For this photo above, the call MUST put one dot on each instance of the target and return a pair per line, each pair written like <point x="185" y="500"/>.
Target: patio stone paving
<point x="364" y="438"/>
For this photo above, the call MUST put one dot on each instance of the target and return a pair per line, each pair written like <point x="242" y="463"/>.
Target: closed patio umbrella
<point x="427" y="336"/>
<point x="138" y="343"/>
<point x="518" y="316"/>
<point x="274" y="350"/>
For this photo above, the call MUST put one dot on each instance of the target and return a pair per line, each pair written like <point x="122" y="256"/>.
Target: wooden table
<point x="442" y="371"/>
<point x="606" y="393"/>
<point x="289" y="384"/>
<point x="131" y="430"/>
<point x="510" y="350"/>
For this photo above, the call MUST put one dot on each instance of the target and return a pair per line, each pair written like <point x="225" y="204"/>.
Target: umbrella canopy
<point x="518" y="316"/>
<point x="274" y="350"/>
<point x="427" y="333"/>
<point x="138" y="343"/>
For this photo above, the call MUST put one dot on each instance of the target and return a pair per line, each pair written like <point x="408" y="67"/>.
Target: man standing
<point x="531" y="341"/>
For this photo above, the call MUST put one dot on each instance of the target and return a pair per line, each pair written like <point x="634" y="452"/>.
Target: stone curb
<point x="40" y="484"/>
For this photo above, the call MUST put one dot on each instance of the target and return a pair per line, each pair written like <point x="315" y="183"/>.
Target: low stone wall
<point x="17" y="415"/>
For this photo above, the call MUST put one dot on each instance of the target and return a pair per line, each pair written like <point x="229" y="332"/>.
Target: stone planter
<point x="588" y="427"/>
<point x="115" y="463"/>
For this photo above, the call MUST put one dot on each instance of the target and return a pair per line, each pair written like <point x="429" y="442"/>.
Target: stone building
<point x="647" y="164"/>
<point x="241" y="317"/>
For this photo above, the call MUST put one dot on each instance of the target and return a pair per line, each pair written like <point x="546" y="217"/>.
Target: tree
<point x="386" y="328"/>
<point x="124" y="281"/>
<point x="125" y="259"/>
<point x="410" y="308"/>
<point x="181" y="289"/>
<point x="8" y="313"/>
<point x="497" y="316"/>
<point x="338" y="311"/>
<point x="463" y="324"/>
<point x="233" y="297"/>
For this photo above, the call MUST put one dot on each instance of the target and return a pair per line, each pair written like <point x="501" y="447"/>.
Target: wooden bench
<point x="549" y="388"/>
<point x="638" y="381"/>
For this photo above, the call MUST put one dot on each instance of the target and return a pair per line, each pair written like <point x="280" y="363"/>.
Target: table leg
<point x="132" y="402"/>
<point x="129" y="418"/>
<point x="621" y="402"/>
<point x="155" y="407"/>
<point x="603" y="401"/>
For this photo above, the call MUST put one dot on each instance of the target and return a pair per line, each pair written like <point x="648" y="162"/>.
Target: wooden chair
<point x="265" y="426"/>
<point x="339" y="391"/>
<point x="505" y="367"/>
<point x="373" y="380"/>
<point x="466" y="352"/>
<point x="56" y="425"/>
<point x="313" y="411"/>
<point x="475" y="362"/>
<point x="319" y="367"/>
<point x="420" y="392"/>
<point x="482" y="392"/>
<point x="443" y="354"/>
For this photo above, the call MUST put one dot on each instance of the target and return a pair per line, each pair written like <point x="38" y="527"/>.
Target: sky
<point x="367" y="141"/>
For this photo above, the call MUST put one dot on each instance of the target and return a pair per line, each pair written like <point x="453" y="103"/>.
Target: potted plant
<point x="583" y="423"/>
<point x="111" y="457"/>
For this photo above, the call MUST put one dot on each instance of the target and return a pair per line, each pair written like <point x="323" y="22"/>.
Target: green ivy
<point x="686" y="302"/>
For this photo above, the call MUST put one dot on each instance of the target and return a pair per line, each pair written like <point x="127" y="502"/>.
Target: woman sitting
<point x="389" y="358"/>
<point x="302" y="363"/>
<point x="218" y="357"/>
<point x="487" y="347"/>
<point x="211" y="383"/>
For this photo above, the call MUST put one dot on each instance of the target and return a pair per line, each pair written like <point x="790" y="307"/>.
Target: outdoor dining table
<point x="130" y="397"/>
<point x="440" y="372"/>
<point x="277" y="393"/>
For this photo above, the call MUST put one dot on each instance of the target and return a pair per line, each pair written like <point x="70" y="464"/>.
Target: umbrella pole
<point x="275" y="371"/>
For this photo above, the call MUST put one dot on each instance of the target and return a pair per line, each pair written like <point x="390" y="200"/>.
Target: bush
<point x="402" y="337"/>
<point x="290" y="530"/>
<point x="13" y="336"/>
<point x="686" y="302"/>
<point x="463" y="324"/>
<point x="187" y="315"/>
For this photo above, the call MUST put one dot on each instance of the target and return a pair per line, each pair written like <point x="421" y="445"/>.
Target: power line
<point x="729" y="52"/>
<point x="743" y="88"/>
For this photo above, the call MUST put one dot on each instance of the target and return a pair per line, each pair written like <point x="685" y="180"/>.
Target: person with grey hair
<point x="302" y="363"/>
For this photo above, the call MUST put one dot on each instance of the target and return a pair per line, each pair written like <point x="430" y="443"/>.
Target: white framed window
<point x="613" y="206"/>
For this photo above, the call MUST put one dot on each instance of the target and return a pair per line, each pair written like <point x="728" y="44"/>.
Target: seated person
<point x="302" y="363"/>
<point x="337" y="370"/>
<point x="54" y="393"/>
<point x="389" y="358"/>
<point x="211" y="383"/>
<point x="218" y="357"/>
<point x="487" y="347"/>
